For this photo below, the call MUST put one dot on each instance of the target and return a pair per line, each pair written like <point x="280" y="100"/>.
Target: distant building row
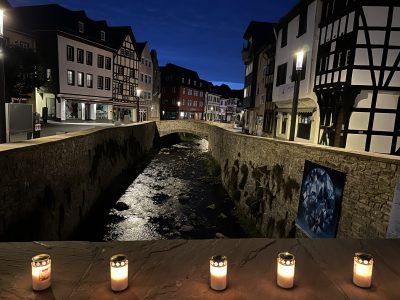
<point x="350" y="82"/>
<point x="185" y="96"/>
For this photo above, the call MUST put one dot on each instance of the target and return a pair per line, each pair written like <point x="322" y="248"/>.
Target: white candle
<point x="285" y="270"/>
<point x="218" y="272"/>
<point x="119" y="272"/>
<point x="362" y="270"/>
<point x="41" y="272"/>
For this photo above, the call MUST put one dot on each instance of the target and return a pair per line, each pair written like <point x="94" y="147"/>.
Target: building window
<point x="79" y="55"/>
<point x="190" y="92"/>
<point x="184" y="91"/>
<point x="303" y="22"/>
<point x="70" y="53"/>
<point x="131" y="91"/>
<point x="149" y="78"/>
<point x="102" y="35"/>
<point x="183" y="79"/>
<point x="281" y="74"/>
<point x="142" y="61"/>
<point x="80" y="79"/>
<point x="120" y="70"/>
<point x="89" y="58"/>
<point x="100" y="80"/>
<point x="284" y="123"/>
<point x="132" y="73"/>
<point x="284" y="36"/>
<point x="108" y="63"/>
<point x="108" y="83"/>
<point x="141" y="77"/>
<point x="145" y="78"/>
<point x="196" y="93"/>
<point x="201" y="94"/>
<point x="149" y="63"/>
<point x="81" y="27"/>
<point x="304" y="126"/>
<point x="70" y="77"/>
<point x="89" y="80"/>
<point x="100" y="61"/>
<point x="120" y="88"/>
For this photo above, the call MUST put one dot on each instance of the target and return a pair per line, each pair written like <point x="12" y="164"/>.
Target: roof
<point x="261" y="33"/>
<point x="53" y="17"/>
<point x="293" y="13"/>
<point x="139" y="48"/>
<point x="117" y="35"/>
<point x="180" y="71"/>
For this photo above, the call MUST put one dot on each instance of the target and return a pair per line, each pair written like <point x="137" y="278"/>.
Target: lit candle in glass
<point x="285" y="270"/>
<point x="119" y="272"/>
<point x="362" y="270"/>
<point x="218" y="272"/>
<point x="41" y="272"/>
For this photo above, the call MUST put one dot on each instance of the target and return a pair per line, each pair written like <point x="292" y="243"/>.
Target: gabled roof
<point x="117" y="35"/>
<point x="53" y="17"/>
<point x="180" y="71"/>
<point x="261" y="33"/>
<point x="139" y="48"/>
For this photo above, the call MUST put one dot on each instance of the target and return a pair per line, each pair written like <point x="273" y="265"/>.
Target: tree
<point x="22" y="72"/>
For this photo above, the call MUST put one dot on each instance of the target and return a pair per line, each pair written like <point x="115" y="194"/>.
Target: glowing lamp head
<point x="1" y="21"/>
<point x="179" y="103"/>
<point x="138" y="92"/>
<point x="299" y="60"/>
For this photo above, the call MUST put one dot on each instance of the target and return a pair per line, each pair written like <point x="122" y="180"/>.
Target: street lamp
<point x="179" y="106"/>
<point x="299" y="67"/>
<point x="2" y="84"/>
<point x="138" y="92"/>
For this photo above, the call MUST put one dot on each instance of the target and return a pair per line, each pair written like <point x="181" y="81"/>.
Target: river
<point x="174" y="197"/>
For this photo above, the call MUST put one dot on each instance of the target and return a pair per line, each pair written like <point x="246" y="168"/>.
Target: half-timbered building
<point x="125" y="74"/>
<point x="357" y="79"/>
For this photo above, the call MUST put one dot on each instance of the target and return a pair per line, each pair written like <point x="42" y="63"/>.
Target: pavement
<point x="179" y="269"/>
<point x="54" y="128"/>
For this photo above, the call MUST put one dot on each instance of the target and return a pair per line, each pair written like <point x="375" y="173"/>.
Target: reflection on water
<point x="174" y="198"/>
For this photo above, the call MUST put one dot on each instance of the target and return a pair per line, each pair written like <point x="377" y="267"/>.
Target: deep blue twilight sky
<point x="205" y="36"/>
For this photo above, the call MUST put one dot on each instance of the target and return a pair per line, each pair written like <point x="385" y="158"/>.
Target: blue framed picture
<point x="320" y="201"/>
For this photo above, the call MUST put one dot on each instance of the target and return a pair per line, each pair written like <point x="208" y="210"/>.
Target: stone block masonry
<point x="48" y="185"/>
<point x="263" y="176"/>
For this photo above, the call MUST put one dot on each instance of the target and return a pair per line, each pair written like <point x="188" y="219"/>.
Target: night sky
<point x="205" y="36"/>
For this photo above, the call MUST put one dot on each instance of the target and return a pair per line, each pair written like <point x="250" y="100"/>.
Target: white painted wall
<point x="65" y="65"/>
<point x="307" y="42"/>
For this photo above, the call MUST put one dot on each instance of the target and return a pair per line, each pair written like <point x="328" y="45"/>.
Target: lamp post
<point x="138" y="92"/>
<point x="179" y="108"/>
<point x="3" y="138"/>
<point x="299" y="67"/>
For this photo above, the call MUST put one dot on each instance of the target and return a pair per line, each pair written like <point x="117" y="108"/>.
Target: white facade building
<point x="212" y="106"/>
<point x="297" y="31"/>
<point x="85" y="80"/>
<point x="145" y="80"/>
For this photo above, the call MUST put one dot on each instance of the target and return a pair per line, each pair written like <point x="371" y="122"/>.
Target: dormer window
<point x="81" y="27"/>
<point x="102" y="35"/>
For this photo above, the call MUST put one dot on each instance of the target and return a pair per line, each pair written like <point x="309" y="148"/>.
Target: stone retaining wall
<point x="48" y="185"/>
<point x="264" y="177"/>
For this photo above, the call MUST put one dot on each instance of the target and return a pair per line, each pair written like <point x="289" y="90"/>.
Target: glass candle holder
<point x="119" y="272"/>
<point x="285" y="270"/>
<point x="362" y="270"/>
<point x="218" y="272"/>
<point x="41" y="272"/>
